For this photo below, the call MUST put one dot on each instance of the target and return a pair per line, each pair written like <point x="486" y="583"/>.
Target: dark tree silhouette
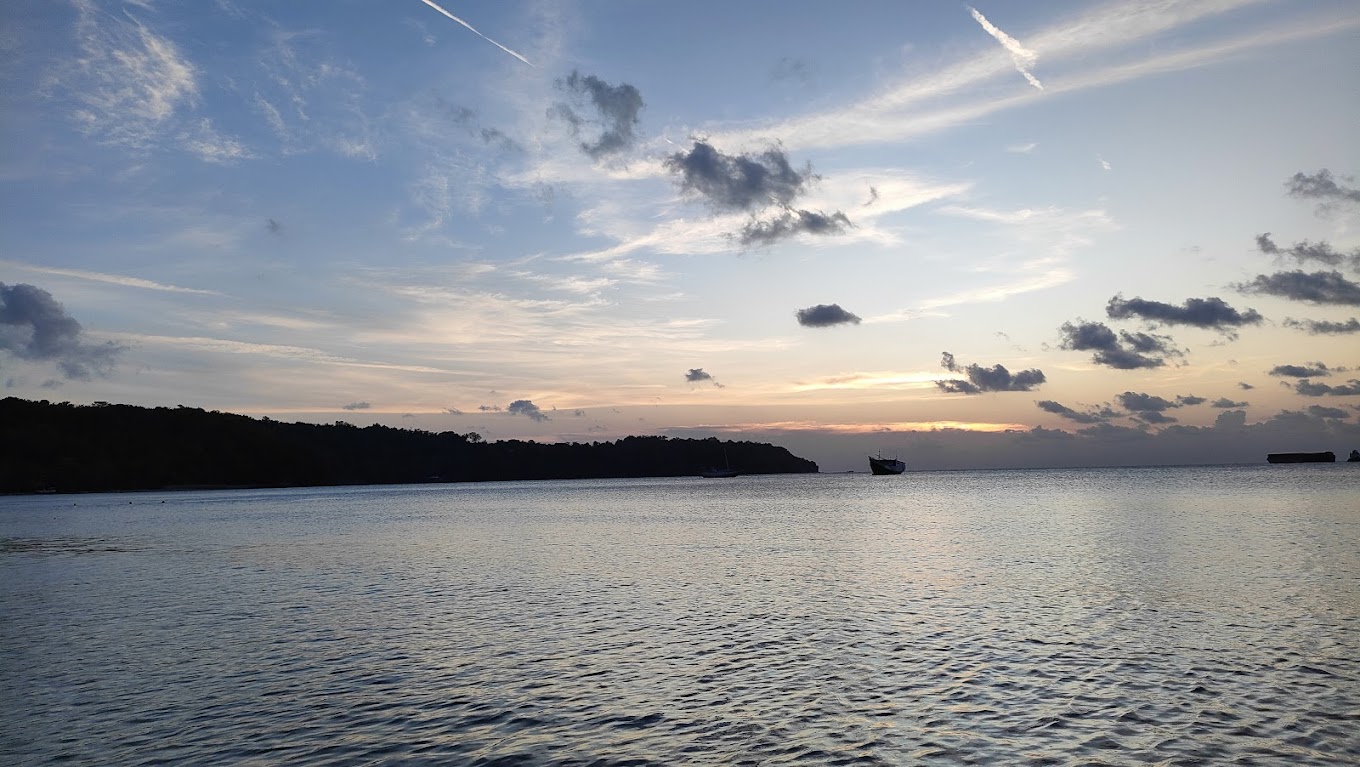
<point x="104" y="447"/>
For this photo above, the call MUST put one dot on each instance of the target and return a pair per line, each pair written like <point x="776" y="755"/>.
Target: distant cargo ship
<point x="1327" y="457"/>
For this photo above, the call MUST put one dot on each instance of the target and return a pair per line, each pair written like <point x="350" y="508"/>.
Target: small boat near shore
<point x="881" y="465"/>
<point x="725" y="472"/>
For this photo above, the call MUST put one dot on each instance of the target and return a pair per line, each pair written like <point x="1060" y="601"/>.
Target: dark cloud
<point x="1155" y="416"/>
<point x="873" y="196"/>
<point x="983" y="379"/>
<point x="1127" y="351"/>
<point x="1224" y="403"/>
<point x="1314" y="288"/>
<point x="1077" y="416"/>
<point x="1319" y="411"/>
<point x="791" y="222"/>
<point x="578" y="413"/>
<point x="35" y="326"/>
<point x="489" y="408"/>
<point x="617" y="106"/>
<point x="467" y="118"/>
<point x="1324" y="327"/>
<point x="1311" y="389"/>
<point x="824" y="316"/>
<point x="525" y="407"/>
<point x="695" y="375"/>
<point x="1138" y="402"/>
<point x="453" y="411"/>
<point x="1321" y="186"/>
<point x="273" y="226"/>
<point x="1190" y="399"/>
<point x="1310" y="370"/>
<point x="791" y="69"/>
<point x="1243" y="385"/>
<point x="356" y="406"/>
<point x="1306" y="251"/>
<point x="1212" y="313"/>
<point x="739" y="182"/>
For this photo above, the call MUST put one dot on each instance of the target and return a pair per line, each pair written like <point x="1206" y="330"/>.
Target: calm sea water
<point x="1111" y="616"/>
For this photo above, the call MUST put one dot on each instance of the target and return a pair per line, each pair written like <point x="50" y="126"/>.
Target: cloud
<point x="754" y="182"/>
<point x="618" y="107"/>
<point x="1091" y="416"/>
<point x="1321" y="186"/>
<point x="982" y="379"/>
<point x="273" y="227"/>
<point x="1209" y="313"/>
<point x="1104" y="164"/>
<point x="1305" y="251"/>
<point x="34" y="326"/>
<point x="1023" y="148"/>
<point x="1310" y="370"/>
<point x="788" y="68"/>
<point x="112" y="279"/>
<point x="1149" y="408"/>
<point x="791" y="222"/>
<point x="130" y="82"/>
<point x="1243" y="385"/>
<point x="1224" y="403"/>
<point x="1024" y="58"/>
<point x="453" y="411"/>
<point x="1139" y="402"/>
<point x="489" y="408"/>
<point x="1324" y="327"/>
<point x="528" y="408"/>
<point x="1127" y="351"/>
<point x="356" y="406"/>
<point x="1310" y="389"/>
<point x="475" y="32"/>
<point x="742" y="182"/>
<point x="1320" y="411"/>
<point x="825" y="316"/>
<point x="695" y="375"/>
<point x="1314" y="288"/>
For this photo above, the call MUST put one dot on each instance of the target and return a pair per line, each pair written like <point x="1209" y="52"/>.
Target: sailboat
<point x="714" y="472"/>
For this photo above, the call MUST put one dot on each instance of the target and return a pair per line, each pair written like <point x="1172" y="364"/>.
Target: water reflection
<point x="1119" y="617"/>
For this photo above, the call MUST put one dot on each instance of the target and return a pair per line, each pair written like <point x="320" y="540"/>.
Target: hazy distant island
<point x="63" y="447"/>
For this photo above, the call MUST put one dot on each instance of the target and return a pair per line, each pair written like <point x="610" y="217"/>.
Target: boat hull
<point x="1327" y="457"/>
<point x="886" y="466"/>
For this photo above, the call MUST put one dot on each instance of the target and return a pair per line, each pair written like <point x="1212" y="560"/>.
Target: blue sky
<point x="764" y="221"/>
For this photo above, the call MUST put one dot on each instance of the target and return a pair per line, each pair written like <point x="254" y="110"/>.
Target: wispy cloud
<point x="112" y="279"/>
<point x="475" y="32"/>
<point x="129" y="82"/>
<point x="1024" y="58"/>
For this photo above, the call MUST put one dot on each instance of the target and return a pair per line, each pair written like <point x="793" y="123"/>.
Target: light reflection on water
<point x="1135" y="616"/>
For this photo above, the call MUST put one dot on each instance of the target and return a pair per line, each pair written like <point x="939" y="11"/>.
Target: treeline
<point x="104" y="447"/>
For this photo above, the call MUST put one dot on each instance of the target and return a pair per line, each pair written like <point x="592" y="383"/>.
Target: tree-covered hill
<point x="98" y="447"/>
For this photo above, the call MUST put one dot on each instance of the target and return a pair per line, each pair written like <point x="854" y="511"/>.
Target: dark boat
<point x="881" y="465"/>
<point x="1355" y="457"/>
<point x="726" y="472"/>
<point x="1327" y="457"/>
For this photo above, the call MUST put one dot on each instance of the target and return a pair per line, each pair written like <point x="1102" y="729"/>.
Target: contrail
<point x="1023" y="57"/>
<point x="493" y="42"/>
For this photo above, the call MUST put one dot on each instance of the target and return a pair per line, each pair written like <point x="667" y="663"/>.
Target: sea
<point x="1137" y="616"/>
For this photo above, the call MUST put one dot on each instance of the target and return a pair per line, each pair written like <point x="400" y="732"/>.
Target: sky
<point x="1005" y="234"/>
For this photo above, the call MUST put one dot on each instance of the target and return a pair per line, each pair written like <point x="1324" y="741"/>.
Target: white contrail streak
<point x="1023" y="57"/>
<point x="484" y="37"/>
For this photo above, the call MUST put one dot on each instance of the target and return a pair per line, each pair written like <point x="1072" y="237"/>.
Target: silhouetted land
<point x="103" y="447"/>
